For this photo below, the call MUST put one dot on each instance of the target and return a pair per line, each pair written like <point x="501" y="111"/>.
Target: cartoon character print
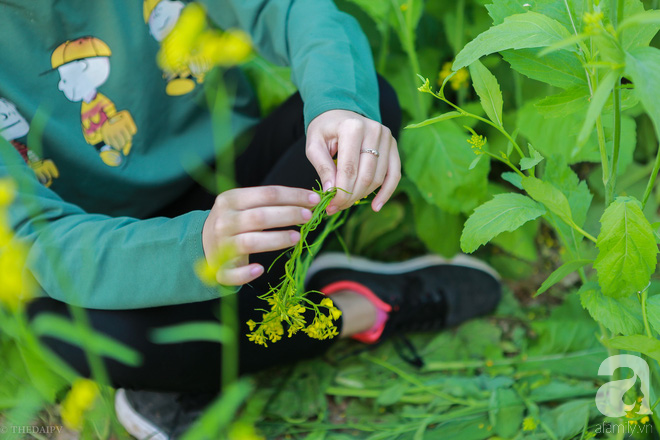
<point x="84" y="66"/>
<point x="14" y="128"/>
<point x="161" y="16"/>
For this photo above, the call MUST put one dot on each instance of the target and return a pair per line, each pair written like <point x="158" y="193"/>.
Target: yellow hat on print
<point x="148" y="7"/>
<point x="81" y="48"/>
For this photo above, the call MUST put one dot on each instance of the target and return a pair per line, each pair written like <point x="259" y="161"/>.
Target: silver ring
<point x="370" y="151"/>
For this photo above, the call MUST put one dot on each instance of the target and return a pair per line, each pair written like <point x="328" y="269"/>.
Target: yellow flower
<point x="644" y="420"/>
<point x="477" y="143"/>
<point x="251" y="324"/>
<point x="257" y="338"/>
<point x="459" y="80"/>
<point x="327" y="302"/>
<point x="17" y="286"/>
<point x="335" y="312"/>
<point x="593" y="20"/>
<point x="529" y="424"/>
<point x="193" y="45"/>
<point x="79" y="400"/>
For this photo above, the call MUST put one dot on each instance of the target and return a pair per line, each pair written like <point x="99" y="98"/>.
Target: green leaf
<point x="565" y="103"/>
<point x="439" y="230"/>
<point x="433" y="120"/>
<point x="560" y="69"/>
<point x="376" y="225"/>
<point x="560" y="273"/>
<point x="191" y="331"/>
<point x="619" y="315"/>
<point x="505" y="212"/>
<point x="643" y="65"/>
<point x="597" y="103"/>
<point x="529" y="162"/>
<point x="567" y="419"/>
<point x="518" y="31"/>
<point x="500" y="9"/>
<point x="507" y="411"/>
<point x="641" y="33"/>
<point x="653" y="312"/>
<point x="627" y="249"/>
<point x="550" y="196"/>
<point x="639" y="343"/>
<point x="513" y="178"/>
<point x="520" y="243"/>
<point x="436" y="159"/>
<point x="488" y="89"/>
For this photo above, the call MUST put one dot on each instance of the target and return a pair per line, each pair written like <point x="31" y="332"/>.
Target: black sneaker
<point x="425" y="293"/>
<point x="158" y="416"/>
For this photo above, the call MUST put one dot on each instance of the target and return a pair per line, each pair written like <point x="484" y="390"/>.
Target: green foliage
<point x="505" y="212"/>
<point x="488" y="89"/>
<point x="627" y="249"/>
<point x="436" y="158"/>
<point x="619" y="315"/>
<point x="520" y="31"/>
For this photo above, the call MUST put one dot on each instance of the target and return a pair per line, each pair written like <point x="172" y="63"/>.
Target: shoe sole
<point x="133" y="422"/>
<point x="337" y="260"/>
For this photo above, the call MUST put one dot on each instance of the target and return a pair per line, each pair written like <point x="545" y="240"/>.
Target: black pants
<point x="274" y="156"/>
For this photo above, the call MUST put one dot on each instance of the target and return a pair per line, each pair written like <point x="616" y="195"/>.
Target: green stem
<point x="647" y="328"/>
<point x="409" y="47"/>
<point x="651" y="182"/>
<point x="610" y="189"/>
<point x="602" y="148"/>
<point x="582" y="231"/>
<point x="229" y="319"/>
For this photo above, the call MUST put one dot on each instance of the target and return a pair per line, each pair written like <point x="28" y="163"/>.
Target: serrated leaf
<point x="619" y="315"/>
<point x="433" y="120"/>
<point x="520" y="31"/>
<point x="565" y="103"/>
<point x="639" y="343"/>
<point x="653" y="312"/>
<point x="561" y="69"/>
<point x="436" y="159"/>
<point x="529" y="162"/>
<point x="505" y="212"/>
<point x="560" y="273"/>
<point x="500" y="9"/>
<point x="550" y="196"/>
<point x="597" y="103"/>
<point x="627" y="249"/>
<point x="488" y="89"/>
<point x="558" y="173"/>
<point x="643" y="65"/>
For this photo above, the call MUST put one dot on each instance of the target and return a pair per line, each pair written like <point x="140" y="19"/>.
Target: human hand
<point x="357" y="172"/>
<point x="237" y="224"/>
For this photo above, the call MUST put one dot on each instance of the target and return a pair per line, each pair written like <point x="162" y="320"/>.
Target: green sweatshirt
<point x="117" y="133"/>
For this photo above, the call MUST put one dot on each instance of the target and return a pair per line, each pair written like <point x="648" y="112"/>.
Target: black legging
<point x="274" y="156"/>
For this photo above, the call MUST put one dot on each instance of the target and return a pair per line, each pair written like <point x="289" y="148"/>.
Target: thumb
<point x="319" y="156"/>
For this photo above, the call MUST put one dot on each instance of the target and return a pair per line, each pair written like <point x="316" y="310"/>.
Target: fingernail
<point x="314" y="198"/>
<point x="295" y="236"/>
<point x="306" y="214"/>
<point x="378" y="206"/>
<point x="256" y="270"/>
<point x="331" y="210"/>
<point x="327" y="185"/>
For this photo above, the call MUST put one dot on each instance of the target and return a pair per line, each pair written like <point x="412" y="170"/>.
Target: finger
<point x="391" y="179"/>
<point x="350" y="137"/>
<point x="321" y="159"/>
<point x="269" y="217"/>
<point x="239" y="275"/>
<point x="366" y="184"/>
<point x="383" y="165"/>
<point x="248" y="198"/>
<point x="257" y="242"/>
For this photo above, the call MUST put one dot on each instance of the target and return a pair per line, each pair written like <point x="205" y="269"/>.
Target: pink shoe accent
<point x="372" y="335"/>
